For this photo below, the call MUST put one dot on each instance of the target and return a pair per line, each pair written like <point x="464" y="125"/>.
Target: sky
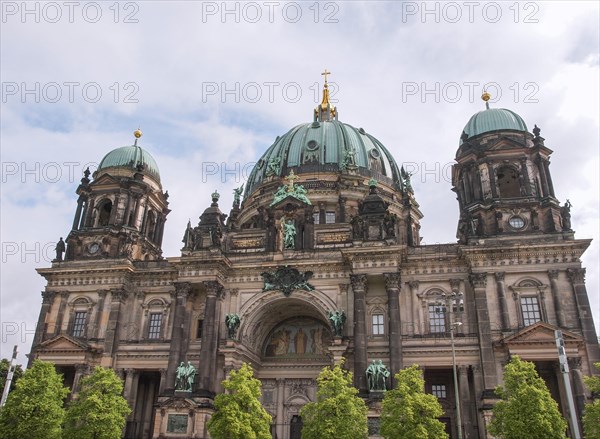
<point x="211" y="85"/>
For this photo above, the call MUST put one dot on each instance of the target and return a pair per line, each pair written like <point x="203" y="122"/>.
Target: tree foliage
<point x="34" y="410"/>
<point x="527" y="410"/>
<point x="4" y="365"/>
<point x="338" y="412"/>
<point x="239" y="414"/>
<point x="591" y="416"/>
<point x="99" y="411"/>
<point x="410" y="413"/>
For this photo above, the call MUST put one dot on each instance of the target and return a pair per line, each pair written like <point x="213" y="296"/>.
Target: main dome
<point x="130" y="157"/>
<point x="493" y="119"/>
<point x="325" y="146"/>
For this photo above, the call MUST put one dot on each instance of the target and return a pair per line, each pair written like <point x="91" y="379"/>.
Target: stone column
<point x="111" y="338"/>
<point x="490" y="379"/>
<point x="501" y="289"/>
<point x="128" y="387"/>
<point x="182" y="292"/>
<point x="280" y="426"/>
<point x="542" y="171"/>
<point x="577" y="278"/>
<point x="88" y="214"/>
<point x="465" y="401"/>
<point x="392" y="286"/>
<point x="525" y="174"/>
<point x="359" y="286"/>
<point x="64" y="295"/>
<point x="208" y="351"/>
<point x="163" y="381"/>
<point x="578" y="385"/>
<point x="114" y="211"/>
<point x="99" y="314"/>
<point x="77" y="218"/>
<point x="493" y="183"/>
<point x="40" y="330"/>
<point x="546" y="164"/>
<point x="80" y="371"/>
<point x="416" y="309"/>
<point x="478" y="402"/>
<point x="560" y="318"/>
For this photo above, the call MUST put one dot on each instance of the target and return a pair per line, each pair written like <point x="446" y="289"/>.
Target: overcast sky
<point x="212" y="84"/>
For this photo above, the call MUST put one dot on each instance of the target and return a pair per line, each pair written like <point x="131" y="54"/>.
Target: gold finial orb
<point x="137" y="133"/>
<point x="486" y="96"/>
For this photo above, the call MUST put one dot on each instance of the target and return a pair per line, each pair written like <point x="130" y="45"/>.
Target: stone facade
<point x="514" y="277"/>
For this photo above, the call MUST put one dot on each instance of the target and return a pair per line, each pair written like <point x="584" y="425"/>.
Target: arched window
<point x="508" y="182"/>
<point x="104" y="211"/>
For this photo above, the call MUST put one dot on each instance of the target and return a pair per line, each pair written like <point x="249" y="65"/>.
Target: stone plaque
<point x="177" y="424"/>
<point x="333" y="238"/>
<point x="243" y="243"/>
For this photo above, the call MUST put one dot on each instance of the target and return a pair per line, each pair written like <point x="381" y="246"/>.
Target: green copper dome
<point x="129" y="157"/>
<point x="325" y="147"/>
<point x="493" y="119"/>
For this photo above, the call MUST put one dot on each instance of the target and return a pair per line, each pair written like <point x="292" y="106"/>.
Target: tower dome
<point x="493" y="119"/>
<point x="130" y="158"/>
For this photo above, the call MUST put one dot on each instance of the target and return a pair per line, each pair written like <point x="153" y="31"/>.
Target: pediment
<point x="105" y="179"/>
<point x="290" y="199"/>
<point x="178" y="403"/>
<point x="505" y="143"/>
<point x="63" y="343"/>
<point x="541" y="333"/>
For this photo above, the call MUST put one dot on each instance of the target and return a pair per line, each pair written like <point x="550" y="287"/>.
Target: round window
<point x="516" y="222"/>
<point x="374" y="153"/>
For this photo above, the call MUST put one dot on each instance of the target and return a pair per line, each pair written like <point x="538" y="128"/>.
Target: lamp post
<point x="451" y="305"/>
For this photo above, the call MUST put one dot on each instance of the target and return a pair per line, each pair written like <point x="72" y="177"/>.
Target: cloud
<point x="160" y="72"/>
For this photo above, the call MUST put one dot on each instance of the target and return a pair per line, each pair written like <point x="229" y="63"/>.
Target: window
<point x="439" y="390"/>
<point x="329" y="217"/>
<point x="316" y="217"/>
<point x="437" y="320"/>
<point x="530" y="308"/>
<point x="105" y="211"/>
<point x="199" y="329"/>
<point x="508" y="182"/>
<point x="378" y="328"/>
<point x="154" y="325"/>
<point x="79" y="324"/>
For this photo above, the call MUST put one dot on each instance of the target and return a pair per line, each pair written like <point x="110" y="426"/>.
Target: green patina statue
<point x="233" y="323"/>
<point x="337" y="319"/>
<point x="184" y="377"/>
<point x="289" y="234"/>
<point x="377" y="375"/>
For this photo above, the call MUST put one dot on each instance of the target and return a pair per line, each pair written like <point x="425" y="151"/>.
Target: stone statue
<point x="188" y="237"/>
<point x="565" y="213"/>
<point x="289" y="234"/>
<point x="337" y="319"/>
<point x="349" y="160"/>
<point x="377" y="375"/>
<point x="184" y="377"/>
<point x="236" y="195"/>
<point x="233" y="323"/>
<point x="60" y="249"/>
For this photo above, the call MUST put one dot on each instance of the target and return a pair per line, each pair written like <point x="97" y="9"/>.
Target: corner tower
<point x="122" y="212"/>
<point x="502" y="179"/>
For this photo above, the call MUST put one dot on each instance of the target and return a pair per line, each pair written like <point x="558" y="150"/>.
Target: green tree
<point x="410" y="413"/>
<point x="239" y="414"/>
<point x="35" y="408"/>
<point x="4" y="365"/>
<point x="591" y="415"/>
<point x="99" y="411"/>
<point x="338" y="412"/>
<point x="526" y="409"/>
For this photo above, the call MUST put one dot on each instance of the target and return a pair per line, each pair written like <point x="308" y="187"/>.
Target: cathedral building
<point x="320" y="259"/>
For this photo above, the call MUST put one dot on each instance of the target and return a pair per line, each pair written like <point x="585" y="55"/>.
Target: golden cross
<point x="325" y="73"/>
<point x="290" y="178"/>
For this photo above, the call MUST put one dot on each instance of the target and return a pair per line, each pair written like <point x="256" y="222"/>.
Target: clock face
<point x="93" y="249"/>
<point x="516" y="222"/>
